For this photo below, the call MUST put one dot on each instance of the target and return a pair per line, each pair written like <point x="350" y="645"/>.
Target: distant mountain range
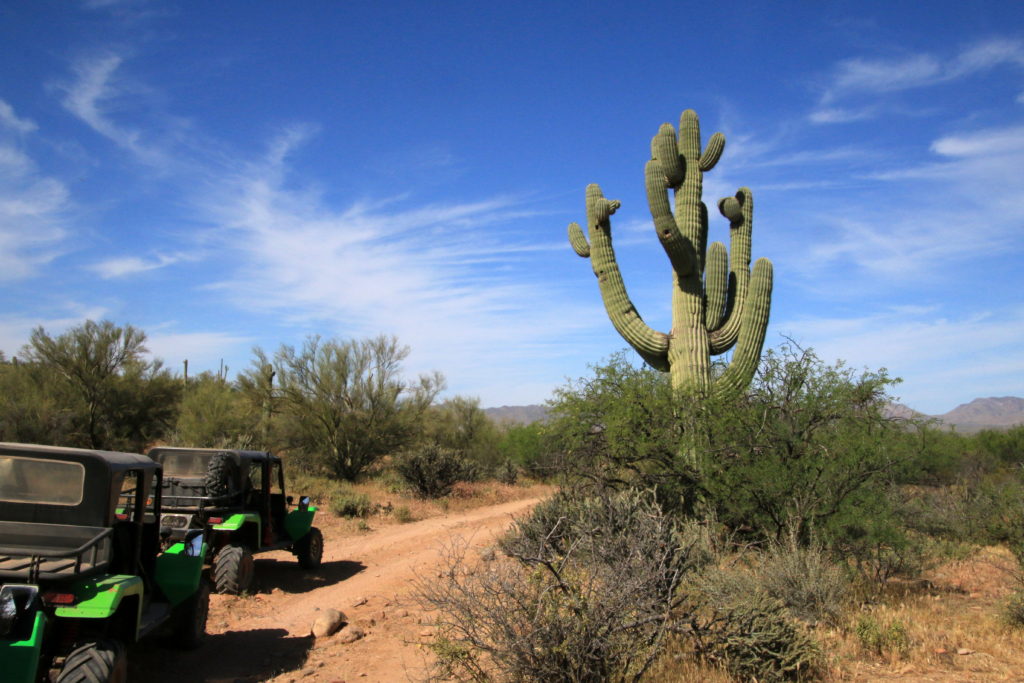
<point x="985" y="413"/>
<point x="981" y="413"/>
<point x="517" y="414"/>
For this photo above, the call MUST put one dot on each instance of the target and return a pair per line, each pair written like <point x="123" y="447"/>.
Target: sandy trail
<point x="369" y="577"/>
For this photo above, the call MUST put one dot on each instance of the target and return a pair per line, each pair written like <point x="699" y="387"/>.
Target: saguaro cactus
<point x="716" y="303"/>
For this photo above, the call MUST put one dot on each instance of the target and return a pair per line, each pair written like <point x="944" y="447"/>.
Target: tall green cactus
<point x="716" y="303"/>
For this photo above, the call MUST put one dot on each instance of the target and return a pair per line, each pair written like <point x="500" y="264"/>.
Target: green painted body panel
<point x="178" y="574"/>
<point x="19" y="659"/>
<point x="237" y="521"/>
<point x="99" y="598"/>
<point x="298" y="522"/>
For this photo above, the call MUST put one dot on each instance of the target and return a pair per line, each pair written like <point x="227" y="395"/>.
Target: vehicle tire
<point x="221" y="474"/>
<point x="310" y="549"/>
<point x="102" y="661"/>
<point x="189" y="629"/>
<point x="233" y="569"/>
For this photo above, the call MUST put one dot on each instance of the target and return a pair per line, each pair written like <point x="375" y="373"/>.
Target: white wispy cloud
<point x="937" y="354"/>
<point x="14" y="122"/>
<point x="132" y="265"/>
<point x="860" y="77"/>
<point x="445" y="277"/>
<point x="33" y="208"/>
<point x="919" y="222"/>
<point x="92" y="95"/>
<point x="840" y="115"/>
<point x="989" y="142"/>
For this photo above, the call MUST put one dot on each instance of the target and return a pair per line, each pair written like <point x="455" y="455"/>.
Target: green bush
<point x="348" y="503"/>
<point x="882" y="639"/>
<point x="403" y="515"/>
<point x="431" y="470"/>
<point x="508" y="473"/>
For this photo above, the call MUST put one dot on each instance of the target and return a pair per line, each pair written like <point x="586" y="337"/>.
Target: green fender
<point x="237" y="521"/>
<point x="19" y="659"/>
<point x="178" y="573"/>
<point x="298" y="521"/>
<point x="99" y="598"/>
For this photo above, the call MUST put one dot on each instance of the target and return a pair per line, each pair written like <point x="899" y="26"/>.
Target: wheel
<point x="221" y="474"/>
<point x="233" y="569"/>
<point x="102" y="661"/>
<point x="189" y="627"/>
<point x="310" y="549"/>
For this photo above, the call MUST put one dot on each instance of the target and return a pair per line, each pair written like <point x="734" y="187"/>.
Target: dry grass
<point x="949" y="630"/>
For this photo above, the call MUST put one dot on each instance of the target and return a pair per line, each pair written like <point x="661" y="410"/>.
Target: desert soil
<point x="369" y="576"/>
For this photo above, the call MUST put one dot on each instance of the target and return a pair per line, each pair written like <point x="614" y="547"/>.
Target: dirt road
<point x="369" y="577"/>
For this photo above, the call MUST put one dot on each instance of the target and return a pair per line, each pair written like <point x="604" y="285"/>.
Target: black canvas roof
<point x="238" y="455"/>
<point x="113" y="459"/>
<point x="104" y="471"/>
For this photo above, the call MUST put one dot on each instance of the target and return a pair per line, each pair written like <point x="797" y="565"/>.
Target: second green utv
<point x="239" y="498"/>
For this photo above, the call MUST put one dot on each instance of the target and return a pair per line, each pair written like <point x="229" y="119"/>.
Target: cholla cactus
<point x="716" y="304"/>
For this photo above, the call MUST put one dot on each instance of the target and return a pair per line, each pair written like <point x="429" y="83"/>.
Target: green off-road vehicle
<point x="239" y="498"/>
<point x="82" y="573"/>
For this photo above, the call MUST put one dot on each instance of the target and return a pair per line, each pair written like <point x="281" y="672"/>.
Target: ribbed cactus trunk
<point x="716" y="303"/>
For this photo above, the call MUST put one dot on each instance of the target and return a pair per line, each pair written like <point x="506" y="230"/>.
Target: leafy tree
<point x="528" y="446"/>
<point x="808" y="444"/>
<point x="34" y="406"/>
<point x="460" y="425"/>
<point x="344" y="401"/>
<point x="617" y="427"/>
<point x="806" y="449"/>
<point x="120" y="399"/>
<point x="215" y="413"/>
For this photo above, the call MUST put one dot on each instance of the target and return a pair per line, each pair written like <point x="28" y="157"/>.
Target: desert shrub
<point x="1013" y="610"/>
<point x="508" y="473"/>
<point x="583" y="592"/>
<point x="431" y="470"/>
<point x="880" y="638"/>
<point x="889" y="552"/>
<point x="748" y="632"/>
<point x="530" y="447"/>
<point x="320" y="489"/>
<point x="348" y="503"/>
<point x="403" y="515"/>
<point x="804" y="579"/>
<point x="808" y="446"/>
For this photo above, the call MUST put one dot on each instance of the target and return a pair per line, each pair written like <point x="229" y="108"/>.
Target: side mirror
<point x="194" y="543"/>
<point x="304" y="503"/>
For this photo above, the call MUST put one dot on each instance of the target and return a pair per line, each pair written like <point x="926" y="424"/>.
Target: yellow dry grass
<point x="948" y="628"/>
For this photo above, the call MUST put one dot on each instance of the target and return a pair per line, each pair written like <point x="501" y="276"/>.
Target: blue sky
<point x="236" y="174"/>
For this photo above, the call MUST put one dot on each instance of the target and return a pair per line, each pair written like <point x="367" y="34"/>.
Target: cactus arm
<point x="650" y="344"/>
<point x="716" y="286"/>
<point x="665" y="149"/>
<point x="740" y="372"/>
<point x="740" y="212"/>
<point x="691" y="215"/>
<point x="578" y="240"/>
<point x="713" y="152"/>
<point x="681" y="253"/>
